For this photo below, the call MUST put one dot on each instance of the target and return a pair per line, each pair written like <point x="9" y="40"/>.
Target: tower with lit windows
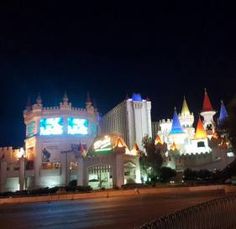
<point x="131" y="119"/>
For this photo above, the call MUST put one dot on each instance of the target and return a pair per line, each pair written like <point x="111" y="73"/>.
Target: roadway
<point x="113" y="212"/>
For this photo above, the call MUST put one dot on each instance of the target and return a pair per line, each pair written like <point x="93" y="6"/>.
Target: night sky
<point x="164" y="51"/>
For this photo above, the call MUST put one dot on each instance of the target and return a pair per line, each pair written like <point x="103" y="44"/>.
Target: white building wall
<point x="131" y="119"/>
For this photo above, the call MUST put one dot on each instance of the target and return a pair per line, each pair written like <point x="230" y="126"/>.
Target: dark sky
<point x="164" y="51"/>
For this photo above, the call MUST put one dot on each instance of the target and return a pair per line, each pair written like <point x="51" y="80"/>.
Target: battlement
<point x="9" y="149"/>
<point x="78" y="109"/>
<point x="51" y="108"/>
<point x="57" y="108"/>
<point x="6" y="148"/>
<point x="194" y="154"/>
<point x="165" y="121"/>
<point x="64" y="105"/>
<point x="182" y="115"/>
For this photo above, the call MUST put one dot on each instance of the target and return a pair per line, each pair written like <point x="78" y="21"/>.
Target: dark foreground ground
<point x="118" y="212"/>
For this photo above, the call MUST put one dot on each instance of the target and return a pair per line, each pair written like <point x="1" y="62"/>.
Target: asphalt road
<point x="118" y="212"/>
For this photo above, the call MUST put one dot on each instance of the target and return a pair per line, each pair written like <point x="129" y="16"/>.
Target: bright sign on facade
<point x="77" y="126"/>
<point x="51" y="126"/>
<point x="30" y="129"/>
<point x="103" y="144"/>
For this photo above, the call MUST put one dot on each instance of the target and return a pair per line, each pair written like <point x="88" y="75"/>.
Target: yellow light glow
<point x="119" y="143"/>
<point x="20" y="153"/>
<point x="101" y="144"/>
<point x="173" y="146"/>
<point x="158" y="140"/>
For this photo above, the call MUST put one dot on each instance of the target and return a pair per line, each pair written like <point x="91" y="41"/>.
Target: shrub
<point x="166" y="174"/>
<point x="133" y="186"/>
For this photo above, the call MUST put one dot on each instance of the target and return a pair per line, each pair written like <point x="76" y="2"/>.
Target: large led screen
<point x="51" y="126"/>
<point x="77" y="126"/>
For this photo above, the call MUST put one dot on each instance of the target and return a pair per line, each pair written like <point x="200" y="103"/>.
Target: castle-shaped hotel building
<point x="196" y="148"/>
<point x="62" y="144"/>
<point x="65" y="143"/>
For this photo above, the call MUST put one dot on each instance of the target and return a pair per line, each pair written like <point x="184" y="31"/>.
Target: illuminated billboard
<point x="103" y="144"/>
<point x="77" y="126"/>
<point x="51" y="126"/>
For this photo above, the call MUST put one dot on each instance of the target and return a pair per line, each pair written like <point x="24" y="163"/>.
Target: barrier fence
<point x="215" y="214"/>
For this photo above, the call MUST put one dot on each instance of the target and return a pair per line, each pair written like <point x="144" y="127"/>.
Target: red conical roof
<point x="206" y="103"/>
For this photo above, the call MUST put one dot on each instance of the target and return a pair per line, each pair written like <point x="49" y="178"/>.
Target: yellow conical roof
<point x="185" y="110"/>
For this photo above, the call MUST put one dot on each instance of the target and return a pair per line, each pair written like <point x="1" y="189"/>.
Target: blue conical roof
<point x="223" y="113"/>
<point x="176" y="127"/>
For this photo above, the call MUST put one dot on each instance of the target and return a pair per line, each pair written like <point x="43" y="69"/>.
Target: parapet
<point x="165" y="121"/>
<point x="6" y="148"/>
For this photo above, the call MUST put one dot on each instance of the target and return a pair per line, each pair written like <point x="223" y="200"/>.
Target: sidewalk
<point x="117" y="193"/>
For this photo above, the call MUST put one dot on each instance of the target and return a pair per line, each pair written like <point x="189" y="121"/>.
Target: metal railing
<point x="214" y="214"/>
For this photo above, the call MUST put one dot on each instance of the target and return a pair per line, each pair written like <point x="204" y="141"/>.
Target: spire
<point x="223" y="113"/>
<point x="135" y="147"/>
<point x="39" y="100"/>
<point x="135" y="150"/>
<point x="185" y="110"/>
<point x="89" y="105"/>
<point x="200" y="131"/>
<point x="158" y="140"/>
<point x="206" y="103"/>
<point x="28" y="104"/>
<point x="88" y="99"/>
<point x="176" y="127"/>
<point x="119" y="143"/>
<point x="65" y="98"/>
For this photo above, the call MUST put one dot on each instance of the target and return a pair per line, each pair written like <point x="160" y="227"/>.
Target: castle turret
<point x="65" y="105"/>
<point x="186" y="118"/>
<point x="38" y="105"/>
<point x="199" y="144"/>
<point x="185" y="110"/>
<point x="177" y="133"/>
<point x="28" y="106"/>
<point x="176" y="127"/>
<point x="65" y="98"/>
<point x="208" y="114"/>
<point x="89" y="105"/>
<point x="200" y="131"/>
<point x="39" y="100"/>
<point x="223" y="114"/>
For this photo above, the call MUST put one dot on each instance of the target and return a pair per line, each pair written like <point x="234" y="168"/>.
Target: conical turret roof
<point x="176" y="127"/>
<point x="223" y="112"/>
<point x="88" y="99"/>
<point x="158" y="140"/>
<point x="185" y="110"/>
<point x="206" y="103"/>
<point x="38" y="99"/>
<point x="65" y="98"/>
<point x="200" y="131"/>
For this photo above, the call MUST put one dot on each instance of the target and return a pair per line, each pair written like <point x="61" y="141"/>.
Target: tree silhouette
<point x="228" y="127"/>
<point x="151" y="160"/>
